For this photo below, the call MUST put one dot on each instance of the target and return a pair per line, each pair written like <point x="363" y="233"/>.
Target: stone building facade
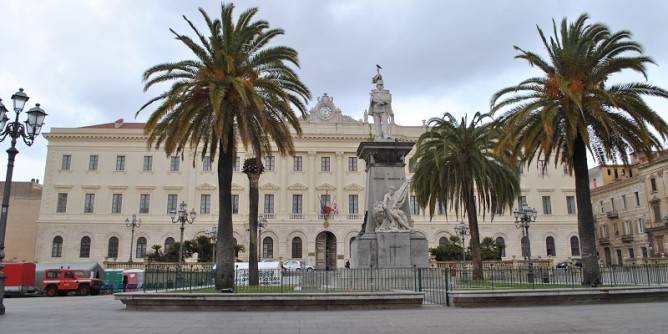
<point x="99" y="175"/>
<point x="21" y="232"/>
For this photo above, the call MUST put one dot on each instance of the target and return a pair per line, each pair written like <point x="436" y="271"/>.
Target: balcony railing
<point x="297" y="216"/>
<point x="627" y="237"/>
<point x="604" y="241"/>
<point x="613" y="214"/>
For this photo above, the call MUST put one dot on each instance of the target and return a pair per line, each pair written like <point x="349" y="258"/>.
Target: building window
<point x="500" y="210"/>
<point x="296" y="248"/>
<point x="172" y="200"/>
<point x="652" y="184"/>
<point x="501" y="244"/>
<point x="575" y="246"/>
<point x="112" y="248"/>
<point x="268" y="248"/>
<point x="442" y="241"/>
<point x="415" y="209"/>
<point x="92" y="162"/>
<point x="89" y="203"/>
<point x="325" y="200"/>
<point x="570" y="205"/>
<point x="61" y="206"/>
<point x="141" y="248"/>
<point x="297" y="203"/>
<point x="57" y="247"/>
<point x="116" y="203"/>
<point x="297" y="164"/>
<point x="542" y="167"/>
<point x="624" y="202"/>
<point x="628" y="230"/>
<point x="564" y="167"/>
<point x="120" y="162"/>
<point x="547" y="205"/>
<point x="644" y="252"/>
<point x="600" y="205"/>
<point x="174" y="164"/>
<point x="270" y="162"/>
<point x="353" y="204"/>
<point x="168" y="244"/>
<point x="412" y="166"/>
<point x="352" y="164"/>
<point x="656" y="210"/>
<point x="235" y="204"/>
<point x="84" y="248"/>
<point x="640" y="225"/>
<point x="521" y="200"/>
<point x="440" y="208"/>
<point x="325" y="164"/>
<point x="144" y="202"/>
<point x="612" y="204"/>
<point x="206" y="164"/>
<point x="148" y="163"/>
<point x="550" y="247"/>
<point x="67" y="162"/>
<point x="637" y="197"/>
<point x="205" y="204"/>
<point x="632" y="254"/>
<point x="268" y="203"/>
<point x="237" y="164"/>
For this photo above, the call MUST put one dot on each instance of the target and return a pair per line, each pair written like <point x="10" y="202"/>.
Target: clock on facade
<point x="325" y="112"/>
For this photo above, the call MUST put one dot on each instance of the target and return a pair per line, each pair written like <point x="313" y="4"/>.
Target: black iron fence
<point x="434" y="282"/>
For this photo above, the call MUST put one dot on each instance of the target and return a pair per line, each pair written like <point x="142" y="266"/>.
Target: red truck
<point x="64" y="280"/>
<point x="20" y="278"/>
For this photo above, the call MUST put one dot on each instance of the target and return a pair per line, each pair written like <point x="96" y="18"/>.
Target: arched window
<point x="575" y="246"/>
<point x="57" y="247"/>
<point x="268" y="248"/>
<point x="296" y="248"/>
<point x="524" y="247"/>
<point x="84" y="248"/>
<point x="168" y="243"/>
<point x="550" y="247"/>
<point x="443" y="241"/>
<point x="141" y="248"/>
<point x="112" y="248"/>
<point x="501" y="243"/>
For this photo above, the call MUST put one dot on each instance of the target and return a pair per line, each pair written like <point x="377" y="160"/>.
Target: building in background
<point x="21" y="233"/>
<point x="97" y="176"/>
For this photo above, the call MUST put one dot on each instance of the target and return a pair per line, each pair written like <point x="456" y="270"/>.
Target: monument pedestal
<point x="402" y="249"/>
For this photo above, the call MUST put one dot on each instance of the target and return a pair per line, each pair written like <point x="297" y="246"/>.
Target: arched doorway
<point x="325" y="251"/>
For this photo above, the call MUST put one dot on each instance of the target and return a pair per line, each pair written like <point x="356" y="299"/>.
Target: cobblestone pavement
<point x="103" y="314"/>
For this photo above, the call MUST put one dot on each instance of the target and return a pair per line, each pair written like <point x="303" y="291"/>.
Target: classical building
<point x="21" y="232"/>
<point x="99" y="175"/>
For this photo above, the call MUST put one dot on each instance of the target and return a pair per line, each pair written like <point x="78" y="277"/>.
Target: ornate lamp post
<point x="182" y="218"/>
<point x="134" y="223"/>
<point x="262" y="222"/>
<point x="14" y="130"/>
<point x="524" y="216"/>
<point x="213" y="234"/>
<point x="462" y="231"/>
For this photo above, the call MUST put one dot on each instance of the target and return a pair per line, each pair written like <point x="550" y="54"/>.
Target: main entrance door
<point x="325" y="251"/>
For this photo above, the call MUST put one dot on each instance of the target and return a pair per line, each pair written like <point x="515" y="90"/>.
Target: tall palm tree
<point x="253" y="168"/>
<point x="456" y="166"/>
<point x="573" y="108"/>
<point x="236" y="89"/>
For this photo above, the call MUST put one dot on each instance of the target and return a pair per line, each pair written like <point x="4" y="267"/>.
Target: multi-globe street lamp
<point x="462" y="231"/>
<point x="134" y="223"/>
<point x="14" y="130"/>
<point x="524" y="216"/>
<point x="262" y="223"/>
<point x="181" y="217"/>
<point x="213" y="235"/>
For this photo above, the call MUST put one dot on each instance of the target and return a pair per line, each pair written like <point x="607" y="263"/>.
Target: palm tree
<point x="456" y="166"/>
<point x="237" y="89"/>
<point x="572" y="108"/>
<point x="253" y="168"/>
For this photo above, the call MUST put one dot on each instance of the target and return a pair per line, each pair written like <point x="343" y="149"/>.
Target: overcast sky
<point x="83" y="60"/>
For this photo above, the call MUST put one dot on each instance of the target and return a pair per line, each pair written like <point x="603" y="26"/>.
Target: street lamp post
<point x="213" y="235"/>
<point x="14" y="130"/>
<point x="524" y="216"/>
<point x="134" y="223"/>
<point x="462" y="231"/>
<point x="181" y="218"/>
<point x="262" y="222"/>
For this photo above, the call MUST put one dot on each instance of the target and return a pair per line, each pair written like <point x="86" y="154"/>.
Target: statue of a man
<point x="389" y="213"/>
<point x="380" y="108"/>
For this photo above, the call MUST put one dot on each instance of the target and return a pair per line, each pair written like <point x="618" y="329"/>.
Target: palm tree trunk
<point x="476" y="257"/>
<point x="225" y="248"/>
<point x="591" y="274"/>
<point x="253" y="198"/>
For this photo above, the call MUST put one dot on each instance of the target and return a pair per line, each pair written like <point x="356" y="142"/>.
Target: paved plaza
<point x="103" y="314"/>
